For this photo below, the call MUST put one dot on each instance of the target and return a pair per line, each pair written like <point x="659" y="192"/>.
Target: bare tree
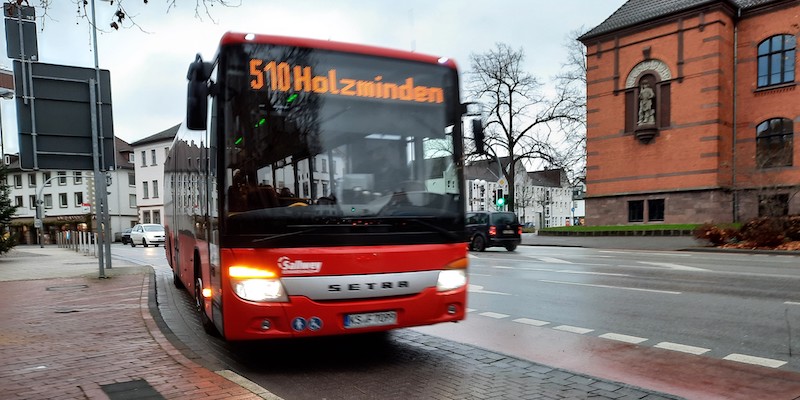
<point x="122" y="18"/>
<point x="572" y="78"/>
<point x="522" y="122"/>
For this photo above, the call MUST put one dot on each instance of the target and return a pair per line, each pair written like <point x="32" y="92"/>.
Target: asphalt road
<point x="671" y="321"/>
<point x="726" y="306"/>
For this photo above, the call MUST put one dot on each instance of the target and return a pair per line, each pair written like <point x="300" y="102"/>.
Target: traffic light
<point x="499" y="199"/>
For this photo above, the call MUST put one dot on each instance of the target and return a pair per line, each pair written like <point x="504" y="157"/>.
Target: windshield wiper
<point x="282" y="235"/>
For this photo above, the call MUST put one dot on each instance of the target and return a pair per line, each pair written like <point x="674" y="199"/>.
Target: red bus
<point x="316" y="188"/>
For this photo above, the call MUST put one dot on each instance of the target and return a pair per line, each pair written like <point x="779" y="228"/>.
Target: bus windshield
<point x="327" y="148"/>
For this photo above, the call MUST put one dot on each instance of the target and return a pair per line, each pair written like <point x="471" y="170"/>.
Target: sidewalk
<point x="67" y="334"/>
<point x="616" y="242"/>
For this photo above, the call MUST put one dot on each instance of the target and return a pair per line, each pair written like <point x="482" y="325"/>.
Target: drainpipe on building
<point x="735" y="199"/>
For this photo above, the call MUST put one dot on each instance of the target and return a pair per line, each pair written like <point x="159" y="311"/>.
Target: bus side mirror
<point x="197" y="94"/>
<point x="477" y="135"/>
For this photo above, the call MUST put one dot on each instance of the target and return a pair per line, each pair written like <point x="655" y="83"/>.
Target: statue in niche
<point x="647" y="113"/>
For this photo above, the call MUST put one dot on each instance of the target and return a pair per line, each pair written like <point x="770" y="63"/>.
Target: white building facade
<point x="67" y="199"/>
<point x="542" y="199"/>
<point x="148" y="157"/>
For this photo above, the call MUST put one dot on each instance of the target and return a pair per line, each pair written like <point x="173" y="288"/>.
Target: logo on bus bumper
<point x="298" y="266"/>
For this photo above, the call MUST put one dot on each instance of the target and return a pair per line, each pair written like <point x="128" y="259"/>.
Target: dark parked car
<point x="125" y="237"/>
<point x="493" y="229"/>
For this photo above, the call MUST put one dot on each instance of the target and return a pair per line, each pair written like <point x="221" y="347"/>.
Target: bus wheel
<point x="478" y="243"/>
<point x="200" y="301"/>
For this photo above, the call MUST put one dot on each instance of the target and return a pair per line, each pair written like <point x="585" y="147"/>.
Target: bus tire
<point x="208" y="325"/>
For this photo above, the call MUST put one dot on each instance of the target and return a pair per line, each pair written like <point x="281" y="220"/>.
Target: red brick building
<point x="692" y="107"/>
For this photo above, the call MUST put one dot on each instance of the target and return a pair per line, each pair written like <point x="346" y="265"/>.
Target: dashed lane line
<point x="794" y="303"/>
<point x="764" y="362"/>
<point x="682" y="348"/>
<point x="534" y="322"/>
<point x="742" y="358"/>
<point x="623" y="338"/>
<point x="610" y="287"/>
<point x="573" y="329"/>
<point x="494" y="315"/>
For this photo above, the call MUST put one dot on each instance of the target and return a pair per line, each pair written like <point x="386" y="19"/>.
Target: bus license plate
<point x="370" y="319"/>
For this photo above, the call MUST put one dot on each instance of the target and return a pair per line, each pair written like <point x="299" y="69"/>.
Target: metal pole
<point x="99" y="156"/>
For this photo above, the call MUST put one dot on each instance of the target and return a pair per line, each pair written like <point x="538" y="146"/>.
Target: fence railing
<point x="79" y="241"/>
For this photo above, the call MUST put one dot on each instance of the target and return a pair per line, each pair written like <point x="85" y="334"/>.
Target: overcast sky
<point x="148" y="63"/>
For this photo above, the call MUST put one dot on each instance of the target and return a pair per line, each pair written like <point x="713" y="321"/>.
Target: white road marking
<point x="551" y="260"/>
<point x="494" y="315"/>
<point x="623" y="338"/>
<point x="610" y="287"/>
<point x="502" y="267"/>
<point x="573" y="329"/>
<point x="471" y="310"/>
<point x="590" y="273"/>
<point x="649" y="253"/>
<point x="479" y="289"/>
<point x="794" y="303"/>
<point x="682" y="348"/>
<point x="676" y="267"/>
<point x="764" y="362"/>
<point x="534" y="322"/>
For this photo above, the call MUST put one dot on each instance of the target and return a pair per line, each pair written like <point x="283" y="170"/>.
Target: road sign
<point x="29" y="42"/>
<point x="86" y="208"/>
<point x="37" y="223"/>
<point x="63" y="119"/>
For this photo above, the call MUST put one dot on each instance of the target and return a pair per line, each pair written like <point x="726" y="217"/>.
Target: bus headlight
<point x="262" y="290"/>
<point x="256" y="284"/>
<point x="451" y="279"/>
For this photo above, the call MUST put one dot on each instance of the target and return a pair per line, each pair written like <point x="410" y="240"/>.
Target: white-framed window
<point x="156" y="217"/>
<point x="132" y="200"/>
<point x="131" y="179"/>
<point x="18" y="201"/>
<point x="32" y="202"/>
<point x="144" y="159"/>
<point x="131" y="158"/>
<point x="145" y="190"/>
<point x="62" y="200"/>
<point x="62" y="178"/>
<point x="153" y="157"/>
<point x="48" y="201"/>
<point x="78" y="199"/>
<point x="155" y="190"/>
<point x="77" y="177"/>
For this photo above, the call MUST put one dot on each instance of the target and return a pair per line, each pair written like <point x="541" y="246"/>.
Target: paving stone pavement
<point x="67" y="334"/>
